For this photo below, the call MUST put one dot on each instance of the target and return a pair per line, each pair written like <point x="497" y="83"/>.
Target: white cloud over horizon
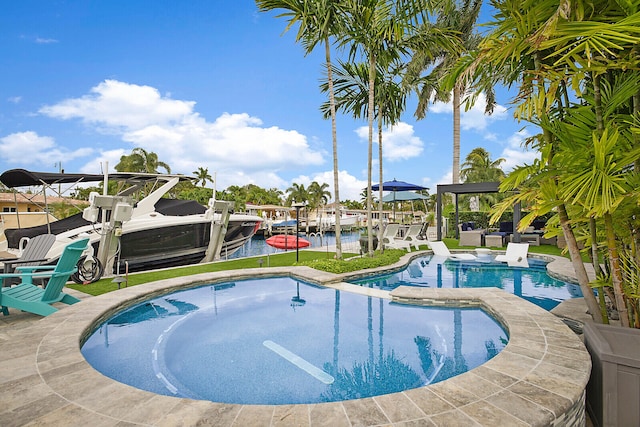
<point x="399" y="141"/>
<point x="142" y="117"/>
<point x="29" y="148"/>
<point x="475" y="118"/>
<point x="515" y="153"/>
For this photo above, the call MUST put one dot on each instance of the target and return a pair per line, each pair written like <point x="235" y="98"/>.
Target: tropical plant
<point x="381" y="32"/>
<point x="479" y="167"/>
<point x="319" y="21"/>
<point x="203" y="175"/>
<point x="141" y="160"/>
<point x="458" y="16"/>
<point x="352" y="95"/>
<point x="297" y="194"/>
<point x="577" y="65"/>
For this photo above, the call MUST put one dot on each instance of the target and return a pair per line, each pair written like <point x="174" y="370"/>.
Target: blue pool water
<point x="532" y="284"/>
<point x="280" y="341"/>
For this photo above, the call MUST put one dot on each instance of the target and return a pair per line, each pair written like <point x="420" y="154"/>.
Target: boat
<point x="154" y="232"/>
<point x="287" y="241"/>
<point x="347" y="221"/>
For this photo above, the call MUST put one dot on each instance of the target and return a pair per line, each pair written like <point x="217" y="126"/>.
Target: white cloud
<point x="43" y="40"/>
<point x="119" y="106"/>
<point x="14" y="99"/>
<point x="398" y="142"/>
<point x="515" y="153"/>
<point x="106" y="158"/>
<point x="29" y="149"/>
<point x="171" y="128"/>
<point x="475" y="118"/>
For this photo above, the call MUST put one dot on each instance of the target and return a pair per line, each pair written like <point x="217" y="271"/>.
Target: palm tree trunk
<point x="456" y="134"/>
<point x="380" y="173"/>
<point x="578" y="266"/>
<point x="334" y="136"/>
<point x="616" y="275"/>
<point x="372" y="78"/>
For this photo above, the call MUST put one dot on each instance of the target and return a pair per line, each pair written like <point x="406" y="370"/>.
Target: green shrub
<point x="390" y="256"/>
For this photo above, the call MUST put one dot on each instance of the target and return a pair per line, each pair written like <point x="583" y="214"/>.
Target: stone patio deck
<point x="538" y="379"/>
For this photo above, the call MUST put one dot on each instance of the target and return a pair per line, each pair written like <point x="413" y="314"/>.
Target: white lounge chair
<point x="412" y="236"/>
<point x="389" y="238"/>
<point x="441" y="250"/>
<point x="516" y="255"/>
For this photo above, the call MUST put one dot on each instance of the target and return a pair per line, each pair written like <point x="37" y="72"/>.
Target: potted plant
<point x="364" y="242"/>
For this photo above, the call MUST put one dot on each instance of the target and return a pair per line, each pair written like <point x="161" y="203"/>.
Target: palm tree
<point x="203" y="175"/>
<point x="460" y="17"/>
<point x="352" y="89"/>
<point x="319" y="20"/>
<point x="380" y="31"/>
<point x="551" y="51"/>
<point x="297" y="193"/>
<point x="479" y="167"/>
<point x="318" y="197"/>
<point x="141" y="160"/>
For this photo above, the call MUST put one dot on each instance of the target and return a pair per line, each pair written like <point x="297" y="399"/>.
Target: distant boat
<point x="287" y="241"/>
<point x="347" y="221"/>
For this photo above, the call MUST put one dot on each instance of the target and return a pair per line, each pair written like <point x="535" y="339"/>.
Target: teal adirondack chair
<point x="28" y="297"/>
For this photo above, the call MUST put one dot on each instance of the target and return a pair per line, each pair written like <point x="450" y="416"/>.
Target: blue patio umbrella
<point x="397" y="186"/>
<point x="403" y="196"/>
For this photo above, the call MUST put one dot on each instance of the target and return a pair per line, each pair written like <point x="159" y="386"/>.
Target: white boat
<point x="154" y="232"/>
<point x="347" y="221"/>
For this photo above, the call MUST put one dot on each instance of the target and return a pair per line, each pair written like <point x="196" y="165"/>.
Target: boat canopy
<point x="23" y="178"/>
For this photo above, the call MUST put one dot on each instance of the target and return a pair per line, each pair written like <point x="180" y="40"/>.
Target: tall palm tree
<point x="203" y="175"/>
<point x="319" y="21"/>
<point x="352" y="95"/>
<point x="459" y="16"/>
<point x="379" y="30"/>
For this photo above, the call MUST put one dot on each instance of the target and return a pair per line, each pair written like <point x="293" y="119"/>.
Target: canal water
<point x="258" y="246"/>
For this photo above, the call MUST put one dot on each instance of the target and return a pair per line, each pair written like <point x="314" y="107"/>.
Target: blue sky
<point x="212" y="84"/>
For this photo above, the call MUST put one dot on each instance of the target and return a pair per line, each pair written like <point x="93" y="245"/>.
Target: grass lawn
<point x="317" y="259"/>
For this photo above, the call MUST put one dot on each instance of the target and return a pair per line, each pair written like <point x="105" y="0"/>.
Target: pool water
<point x="280" y="341"/>
<point x="532" y="283"/>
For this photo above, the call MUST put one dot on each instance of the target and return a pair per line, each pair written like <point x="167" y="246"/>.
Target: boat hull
<point x="158" y="241"/>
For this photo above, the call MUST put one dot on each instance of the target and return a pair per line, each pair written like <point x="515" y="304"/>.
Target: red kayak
<point x="287" y="241"/>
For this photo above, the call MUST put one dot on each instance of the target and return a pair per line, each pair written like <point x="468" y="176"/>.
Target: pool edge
<point x="538" y="379"/>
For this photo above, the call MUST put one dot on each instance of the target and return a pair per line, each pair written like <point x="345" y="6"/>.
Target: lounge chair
<point x="412" y="236"/>
<point x="389" y="238"/>
<point x="441" y="250"/>
<point x="28" y="297"/>
<point x="34" y="253"/>
<point x="515" y="255"/>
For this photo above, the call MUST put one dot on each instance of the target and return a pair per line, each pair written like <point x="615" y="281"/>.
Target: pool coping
<point x="538" y="379"/>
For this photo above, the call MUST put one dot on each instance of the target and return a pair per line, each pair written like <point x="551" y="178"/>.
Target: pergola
<point x="471" y="188"/>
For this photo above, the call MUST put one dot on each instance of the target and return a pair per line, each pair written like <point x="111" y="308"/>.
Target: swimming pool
<point x="532" y="283"/>
<point x="282" y="341"/>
